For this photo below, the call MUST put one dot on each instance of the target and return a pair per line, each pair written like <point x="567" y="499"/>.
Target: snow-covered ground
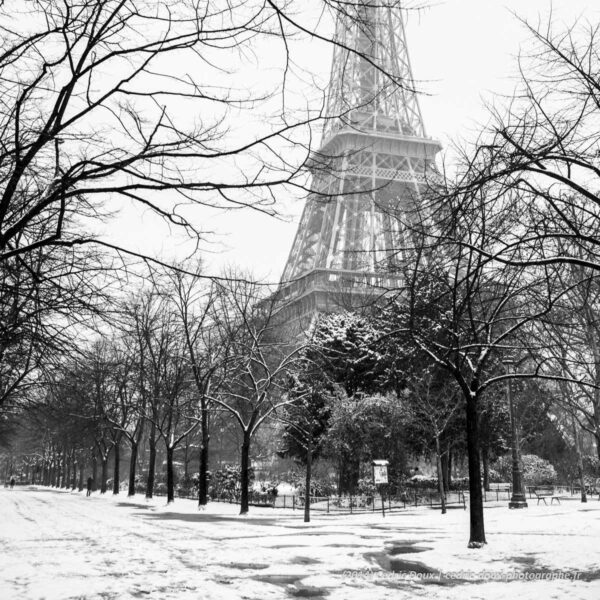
<point x="59" y="546"/>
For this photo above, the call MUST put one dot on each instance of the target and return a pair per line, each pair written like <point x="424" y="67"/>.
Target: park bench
<point x="499" y="486"/>
<point x="543" y="492"/>
<point x="497" y="491"/>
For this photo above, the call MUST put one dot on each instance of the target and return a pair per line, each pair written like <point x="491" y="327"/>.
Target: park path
<point x="58" y="546"/>
<point x="63" y="546"/>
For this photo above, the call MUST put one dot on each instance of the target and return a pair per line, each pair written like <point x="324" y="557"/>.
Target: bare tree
<point x="465" y="310"/>
<point x="307" y="417"/>
<point x="258" y="361"/>
<point x="572" y="331"/>
<point x="93" y="101"/>
<point x="46" y="302"/>
<point x="431" y="405"/>
<point x="207" y="352"/>
<point x="108" y="104"/>
<point x="536" y="165"/>
<point x="172" y="409"/>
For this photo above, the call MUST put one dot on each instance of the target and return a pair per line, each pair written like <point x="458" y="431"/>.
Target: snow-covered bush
<point x="495" y="476"/>
<point x="227" y="481"/>
<point x="591" y="464"/>
<point x="160" y="488"/>
<point x="459" y="483"/>
<point x="318" y="487"/>
<point x="535" y="470"/>
<point x="187" y="485"/>
<point x="366" y="487"/>
<point x="422" y="481"/>
<point x="293" y="477"/>
<point x="286" y="489"/>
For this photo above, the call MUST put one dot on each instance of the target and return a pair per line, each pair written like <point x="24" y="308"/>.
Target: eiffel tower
<point x="373" y="164"/>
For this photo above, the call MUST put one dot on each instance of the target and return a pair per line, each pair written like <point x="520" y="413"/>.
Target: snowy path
<point x="59" y="546"/>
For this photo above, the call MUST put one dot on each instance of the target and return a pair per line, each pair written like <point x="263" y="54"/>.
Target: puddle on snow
<point x="293" y="586"/>
<point x="524" y="560"/>
<point x="277" y="579"/>
<point x="249" y="566"/>
<point x="304" y="560"/>
<point x="401" y="566"/>
<point x="389" y="561"/>
<point x="308" y="591"/>
<point x="404" y="549"/>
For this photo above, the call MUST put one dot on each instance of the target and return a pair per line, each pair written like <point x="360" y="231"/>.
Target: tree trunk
<point x="350" y="472"/>
<point x="580" y="474"/>
<point x="81" y="469"/>
<point x="185" y="458"/>
<point x="440" y="475"/>
<point x="132" y="465"/>
<point x="94" y="471"/>
<point x="151" y="462"/>
<point x="477" y="529"/>
<point x="245" y="475"/>
<point x="307" y="483"/>
<point x="445" y="460"/>
<point x="58" y="471"/>
<point x="74" y="477"/>
<point x="486" y="469"/>
<point x="449" y="473"/>
<point x="597" y="410"/>
<point x="116" y="470"/>
<point x="103" y="485"/>
<point x="65" y="470"/>
<point x="203" y="474"/>
<point x="170" y="476"/>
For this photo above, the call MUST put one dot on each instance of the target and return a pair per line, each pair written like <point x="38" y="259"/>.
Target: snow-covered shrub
<point x="227" y="481"/>
<point x="422" y="482"/>
<point x="160" y="488"/>
<point x="286" y="489"/>
<point x="591" y="464"/>
<point x="535" y="470"/>
<point x="459" y="483"/>
<point x="186" y="486"/>
<point x="366" y="487"/>
<point x="495" y="476"/>
<point x="123" y="485"/>
<point x="293" y="477"/>
<point x="262" y="486"/>
<point x="318" y="487"/>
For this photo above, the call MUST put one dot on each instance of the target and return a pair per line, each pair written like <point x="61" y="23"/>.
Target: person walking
<point x="90" y="484"/>
<point x="12" y="483"/>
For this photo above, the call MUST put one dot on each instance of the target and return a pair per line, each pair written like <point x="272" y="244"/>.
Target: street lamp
<point x="518" y="499"/>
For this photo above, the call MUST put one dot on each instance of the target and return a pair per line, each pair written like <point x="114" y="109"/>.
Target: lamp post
<point x="518" y="499"/>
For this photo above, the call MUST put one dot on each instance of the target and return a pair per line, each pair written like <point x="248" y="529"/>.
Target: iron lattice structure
<point x="373" y="164"/>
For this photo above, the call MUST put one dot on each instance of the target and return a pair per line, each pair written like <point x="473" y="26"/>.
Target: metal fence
<point x="352" y="504"/>
<point x="369" y="503"/>
<point x="496" y="494"/>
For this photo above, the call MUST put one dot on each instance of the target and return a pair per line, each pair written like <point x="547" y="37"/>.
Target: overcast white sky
<point x="462" y="51"/>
